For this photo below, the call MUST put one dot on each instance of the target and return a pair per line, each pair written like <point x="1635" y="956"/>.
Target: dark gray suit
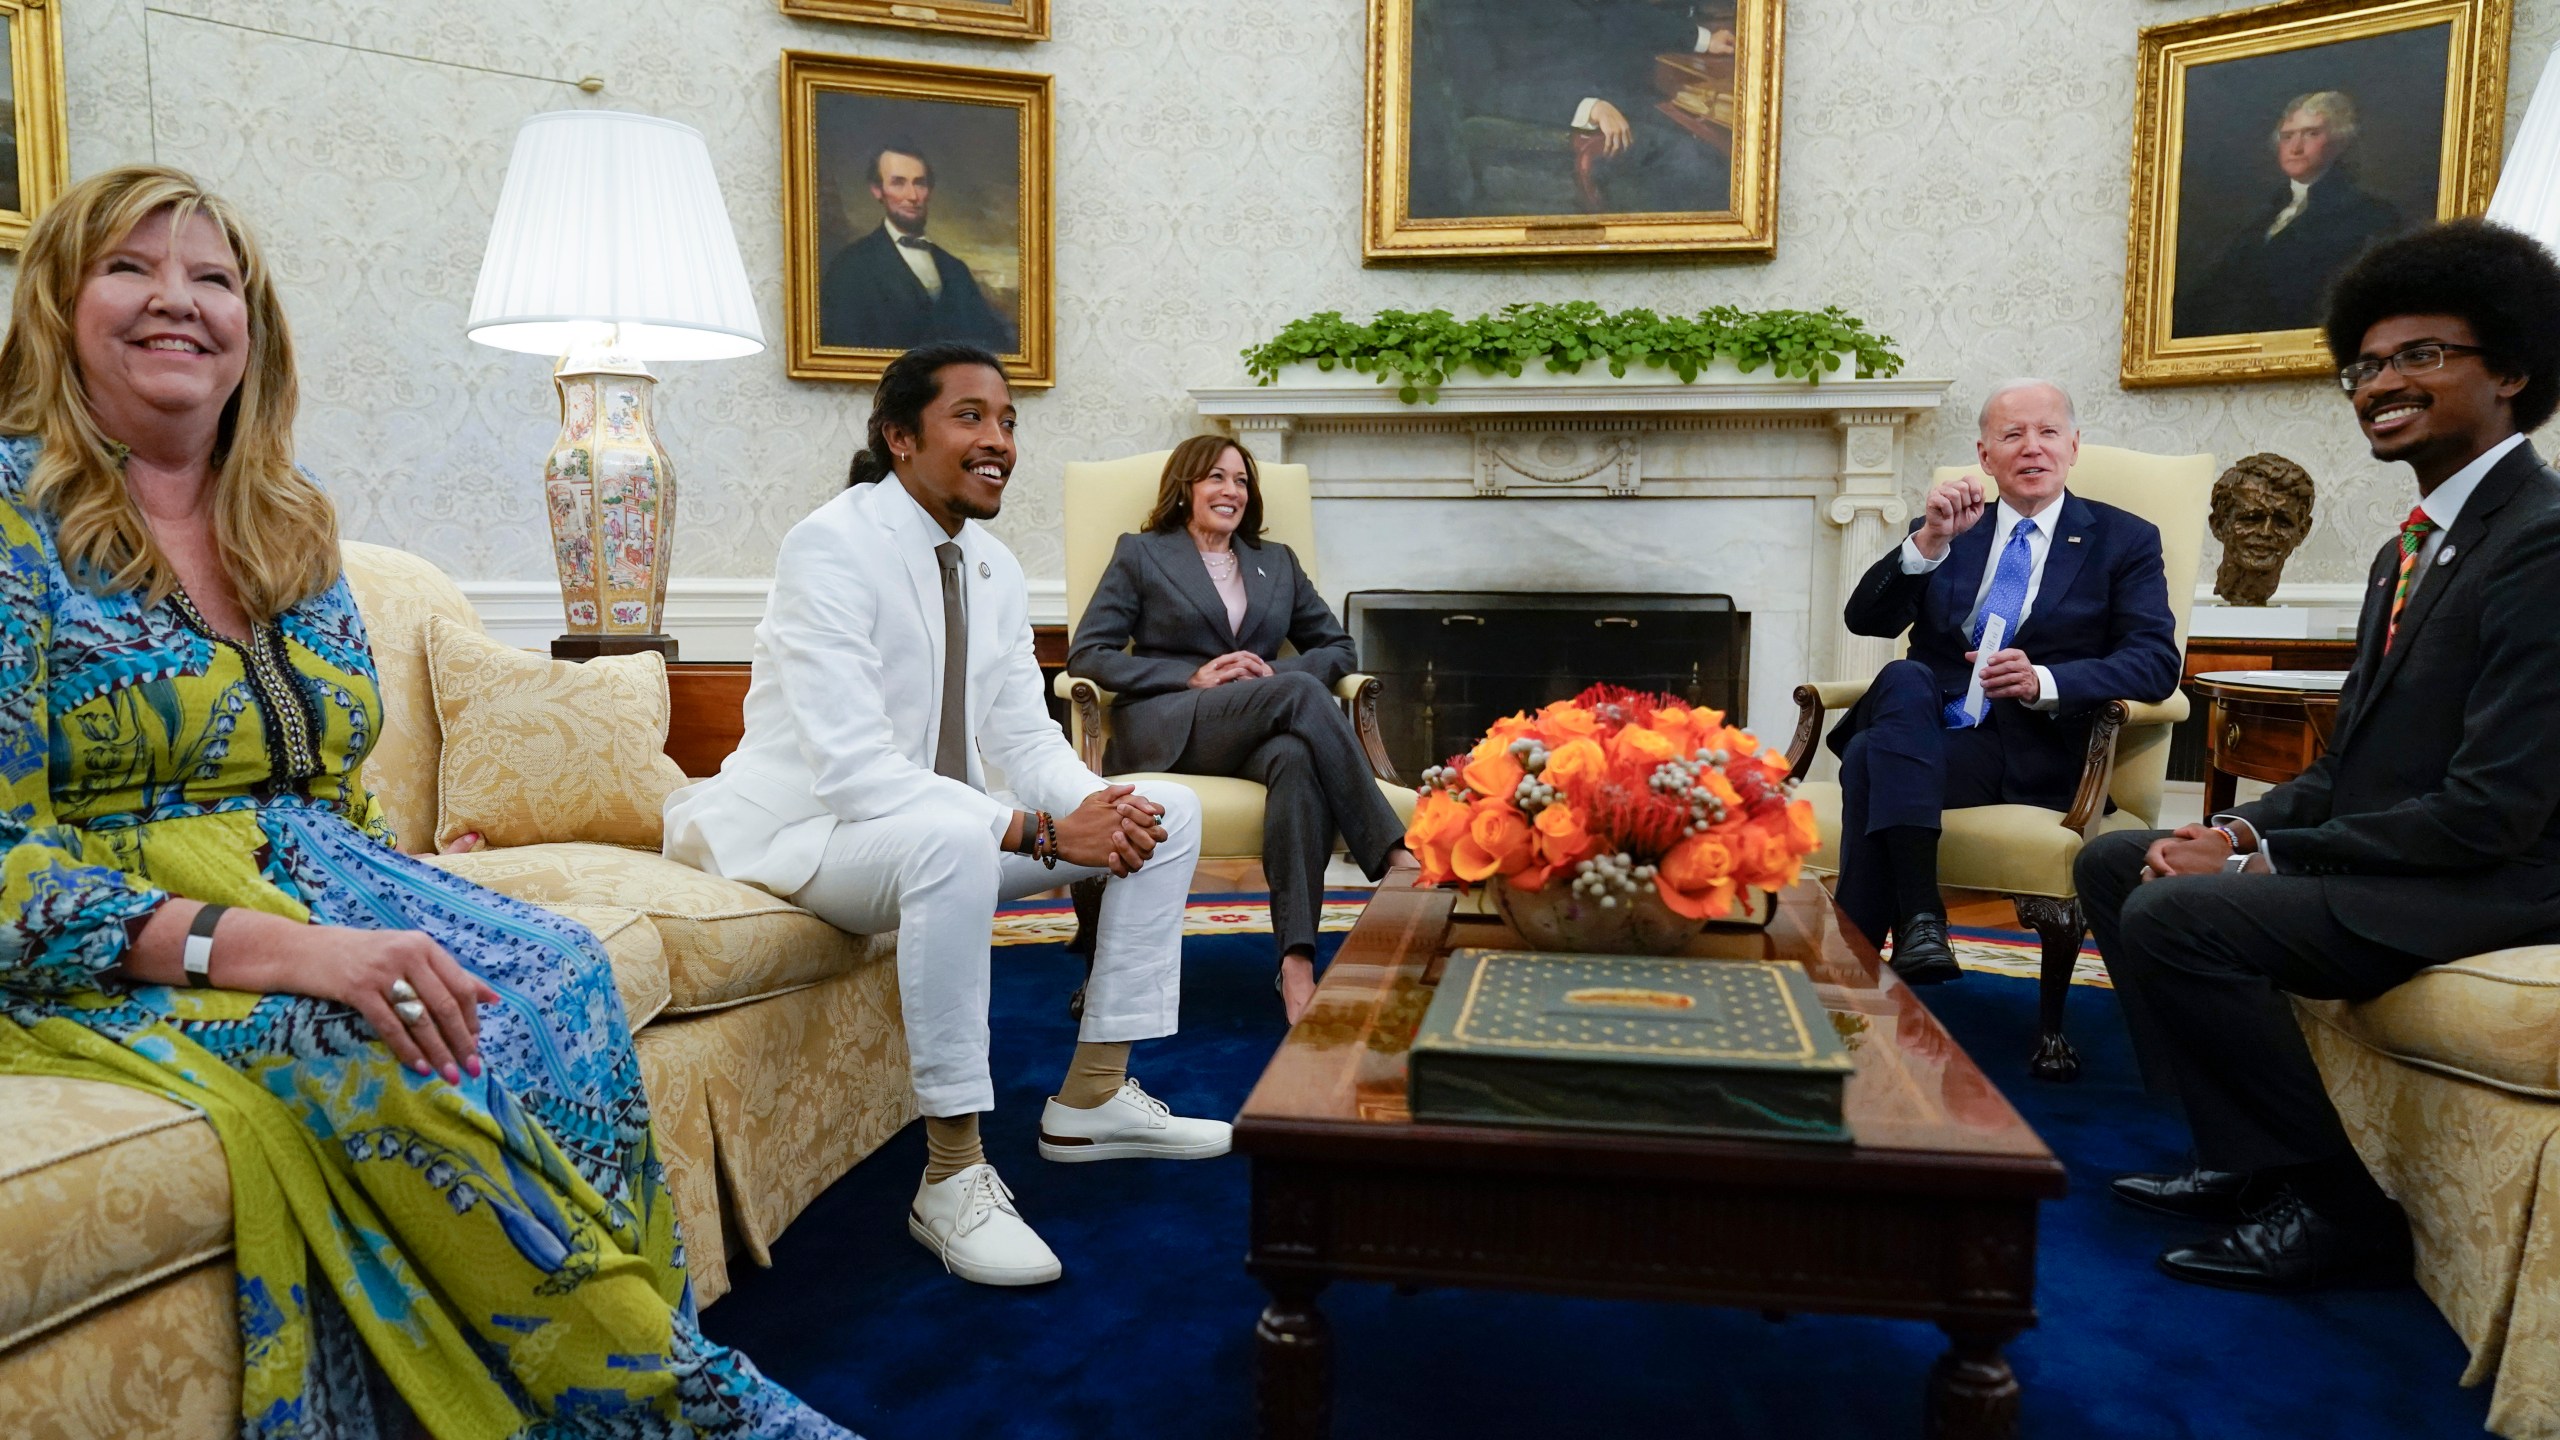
<point x="2430" y="831"/>
<point x="1154" y="620"/>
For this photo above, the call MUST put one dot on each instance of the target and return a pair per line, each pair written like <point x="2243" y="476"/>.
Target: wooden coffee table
<point x="1930" y="1214"/>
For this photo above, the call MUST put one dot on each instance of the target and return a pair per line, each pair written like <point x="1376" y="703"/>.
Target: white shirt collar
<point x="2444" y="504"/>
<point x="2005" y="519"/>
<point x="2301" y="190"/>
<point x="914" y="517"/>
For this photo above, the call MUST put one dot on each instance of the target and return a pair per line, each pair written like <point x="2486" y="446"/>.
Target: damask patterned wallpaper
<point x="1954" y="170"/>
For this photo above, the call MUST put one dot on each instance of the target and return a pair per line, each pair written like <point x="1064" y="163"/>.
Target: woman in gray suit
<point x="1186" y="628"/>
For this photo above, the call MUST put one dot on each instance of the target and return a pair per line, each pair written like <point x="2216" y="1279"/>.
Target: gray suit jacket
<point x="1155" y="619"/>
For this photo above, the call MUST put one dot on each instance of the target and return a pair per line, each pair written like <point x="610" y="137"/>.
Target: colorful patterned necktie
<point x="2007" y="597"/>
<point x="2413" y="536"/>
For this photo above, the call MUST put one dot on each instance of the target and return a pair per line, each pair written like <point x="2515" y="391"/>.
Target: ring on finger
<point x="401" y="990"/>
<point x="411" y="1012"/>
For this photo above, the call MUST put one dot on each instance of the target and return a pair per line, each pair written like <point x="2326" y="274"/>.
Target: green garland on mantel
<point x="1424" y="349"/>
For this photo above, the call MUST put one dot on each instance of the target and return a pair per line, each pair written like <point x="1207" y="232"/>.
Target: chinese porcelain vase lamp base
<point x="611" y="247"/>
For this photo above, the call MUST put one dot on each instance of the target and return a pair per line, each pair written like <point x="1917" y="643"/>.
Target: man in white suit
<point x="860" y="792"/>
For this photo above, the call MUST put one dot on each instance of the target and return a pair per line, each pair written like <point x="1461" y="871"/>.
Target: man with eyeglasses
<point x="2429" y="832"/>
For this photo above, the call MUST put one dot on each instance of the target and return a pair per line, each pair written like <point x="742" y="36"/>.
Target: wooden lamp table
<point x="2265" y="725"/>
<point x="1930" y="1215"/>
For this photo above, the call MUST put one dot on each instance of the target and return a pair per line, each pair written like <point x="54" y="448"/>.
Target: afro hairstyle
<point x="2500" y="282"/>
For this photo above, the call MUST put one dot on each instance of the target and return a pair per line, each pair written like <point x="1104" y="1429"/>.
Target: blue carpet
<point x="1149" y="1334"/>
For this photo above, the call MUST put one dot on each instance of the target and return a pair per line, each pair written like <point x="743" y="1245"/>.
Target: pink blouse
<point x="1227" y="574"/>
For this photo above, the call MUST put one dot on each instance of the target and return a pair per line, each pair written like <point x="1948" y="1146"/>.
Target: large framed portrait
<point x="1004" y="19"/>
<point x="2272" y="146"/>
<point x="35" y="157"/>
<point x="916" y="207"/>
<point x="1571" y="127"/>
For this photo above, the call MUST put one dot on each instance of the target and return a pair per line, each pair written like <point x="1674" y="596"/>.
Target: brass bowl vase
<point x="1555" y="918"/>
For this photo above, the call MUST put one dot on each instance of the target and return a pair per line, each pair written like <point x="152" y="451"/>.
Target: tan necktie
<point x="951" y="743"/>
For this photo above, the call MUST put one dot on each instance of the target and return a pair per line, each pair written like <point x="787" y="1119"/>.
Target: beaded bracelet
<point x="1046" y="847"/>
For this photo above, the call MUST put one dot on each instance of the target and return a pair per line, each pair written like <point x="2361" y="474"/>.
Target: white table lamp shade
<point x="612" y="219"/>
<point x="2528" y="196"/>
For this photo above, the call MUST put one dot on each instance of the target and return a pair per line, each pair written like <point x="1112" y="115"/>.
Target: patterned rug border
<point x="2015" y="953"/>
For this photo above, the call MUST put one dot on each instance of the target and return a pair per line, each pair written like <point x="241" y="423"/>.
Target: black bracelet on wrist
<point x="1048" y="841"/>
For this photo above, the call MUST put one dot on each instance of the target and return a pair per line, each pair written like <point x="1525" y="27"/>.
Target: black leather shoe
<point x="2287" y="1245"/>
<point x="1920" y="952"/>
<point x="2198" y="1194"/>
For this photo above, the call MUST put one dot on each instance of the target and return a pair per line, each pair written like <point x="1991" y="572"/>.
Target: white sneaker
<point x="1132" y="1125"/>
<point x="969" y="1220"/>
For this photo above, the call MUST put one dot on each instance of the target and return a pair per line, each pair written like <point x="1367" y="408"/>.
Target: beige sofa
<point x="770" y="1044"/>
<point x="2447" y="1086"/>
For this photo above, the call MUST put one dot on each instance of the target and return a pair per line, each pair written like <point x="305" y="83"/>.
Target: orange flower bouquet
<point x="1611" y="804"/>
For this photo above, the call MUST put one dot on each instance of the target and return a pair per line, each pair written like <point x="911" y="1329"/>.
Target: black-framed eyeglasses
<point x="2415" y="359"/>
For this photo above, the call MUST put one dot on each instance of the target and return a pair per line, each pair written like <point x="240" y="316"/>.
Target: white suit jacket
<point x="844" y="700"/>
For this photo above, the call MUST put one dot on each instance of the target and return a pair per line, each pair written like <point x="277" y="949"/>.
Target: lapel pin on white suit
<point x="983" y="571"/>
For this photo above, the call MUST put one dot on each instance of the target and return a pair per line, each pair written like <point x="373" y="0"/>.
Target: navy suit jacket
<point x="2101" y="624"/>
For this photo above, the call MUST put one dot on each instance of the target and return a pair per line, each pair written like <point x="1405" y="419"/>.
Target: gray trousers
<point x="1287" y="733"/>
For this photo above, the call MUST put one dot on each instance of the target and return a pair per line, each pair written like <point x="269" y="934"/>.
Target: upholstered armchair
<point x="1106" y="499"/>
<point x="2024" y="852"/>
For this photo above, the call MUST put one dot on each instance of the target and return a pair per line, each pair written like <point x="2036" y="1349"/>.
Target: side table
<point x="2265" y="725"/>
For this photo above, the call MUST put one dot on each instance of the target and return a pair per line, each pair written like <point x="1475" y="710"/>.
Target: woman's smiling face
<point x="161" y="323"/>
<point x="1218" y="497"/>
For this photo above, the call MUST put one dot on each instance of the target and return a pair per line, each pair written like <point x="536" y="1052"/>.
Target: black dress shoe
<point x="2287" y="1245"/>
<point x="1920" y="952"/>
<point x="2197" y="1194"/>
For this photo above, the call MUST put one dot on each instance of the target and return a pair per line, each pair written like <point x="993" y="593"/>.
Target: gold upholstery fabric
<point x="2471" y="1165"/>
<point x="2492" y="1018"/>
<point x="103" y="1190"/>
<point x="726" y="943"/>
<point x="2014" y="849"/>
<point x="1231" y="811"/>
<point x="797" y="1090"/>
<point x="537" y="749"/>
<point x="163" y="1362"/>
<point x="397" y="593"/>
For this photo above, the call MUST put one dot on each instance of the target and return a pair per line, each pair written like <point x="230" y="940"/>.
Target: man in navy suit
<point x="2067" y="595"/>
<point x="894" y="289"/>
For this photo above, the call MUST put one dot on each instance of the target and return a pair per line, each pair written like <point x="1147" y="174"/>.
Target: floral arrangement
<point x="1616" y="790"/>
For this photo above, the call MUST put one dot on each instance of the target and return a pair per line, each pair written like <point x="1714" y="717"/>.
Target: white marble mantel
<point x="1776" y="492"/>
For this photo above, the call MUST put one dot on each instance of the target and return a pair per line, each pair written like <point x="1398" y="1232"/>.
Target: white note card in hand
<point x="1994" y="630"/>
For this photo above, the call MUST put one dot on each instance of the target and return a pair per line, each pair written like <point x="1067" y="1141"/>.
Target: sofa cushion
<point x="1231" y="810"/>
<point x="639" y="957"/>
<point x="2493" y="1018"/>
<point x="2014" y="849"/>
<point x="726" y="943"/>
<point x="537" y="749"/>
<point x="397" y="593"/>
<point x="104" y="1190"/>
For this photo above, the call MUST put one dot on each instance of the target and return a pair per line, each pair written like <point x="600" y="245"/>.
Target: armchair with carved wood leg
<point x="1110" y="498"/>
<point x="2025" y="852"/>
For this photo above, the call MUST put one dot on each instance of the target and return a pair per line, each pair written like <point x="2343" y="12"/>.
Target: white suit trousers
<point x="935" y="876"/>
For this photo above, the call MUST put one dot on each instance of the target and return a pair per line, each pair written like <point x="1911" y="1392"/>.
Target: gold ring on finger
<point x="412" y="1012"/>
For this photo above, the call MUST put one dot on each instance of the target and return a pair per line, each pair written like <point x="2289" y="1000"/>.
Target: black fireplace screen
<point x="1450" y="663"/>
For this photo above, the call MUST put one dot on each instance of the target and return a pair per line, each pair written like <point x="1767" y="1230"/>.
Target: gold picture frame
<point x="978" y="143"/>
<point x="1002" y="19"/>
<point x="2214" y="289"/>
<point x="37" y="151"/>
<point x="1490" y="166"/>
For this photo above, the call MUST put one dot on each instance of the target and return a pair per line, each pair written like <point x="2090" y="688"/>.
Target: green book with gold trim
<point x="1630" y="1042"/>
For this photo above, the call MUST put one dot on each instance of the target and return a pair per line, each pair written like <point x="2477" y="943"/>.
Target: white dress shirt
<point x="2039" y="545"/>
<point x="2443" y="505"/>
<point x="918" y="258"/>
<point x="2291" y="212"/>
<point x="1582" y="112"/>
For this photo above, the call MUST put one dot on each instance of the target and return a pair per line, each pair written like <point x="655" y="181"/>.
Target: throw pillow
<point x="539" y="750"/>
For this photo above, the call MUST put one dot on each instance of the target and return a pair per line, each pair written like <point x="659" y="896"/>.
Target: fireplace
<point x="1450" y="662"/>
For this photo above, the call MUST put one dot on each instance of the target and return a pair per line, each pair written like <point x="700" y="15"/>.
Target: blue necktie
<point x="2008" y="597"/>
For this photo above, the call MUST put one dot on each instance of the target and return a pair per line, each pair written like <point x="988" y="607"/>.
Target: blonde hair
<point x="275" y="533"/>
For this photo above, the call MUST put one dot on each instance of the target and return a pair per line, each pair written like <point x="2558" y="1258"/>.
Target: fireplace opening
<point x="1450" y="663"/>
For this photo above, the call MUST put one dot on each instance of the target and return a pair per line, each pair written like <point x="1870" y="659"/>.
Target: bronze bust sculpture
<point x="2261" y="511"/>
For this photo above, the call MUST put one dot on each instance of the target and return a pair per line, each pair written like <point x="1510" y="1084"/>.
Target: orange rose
<point x="1497" y="840"/>
<point x="1575" y="761"/>
<point x="1808" y="827"/>
<point x="1492" y="771"/>
<point x="1738" y="742"/>
<point x="1562" y="837"/>
<point x="1761" y="858"/>
<point x="1650" y="746"/>
<point x="1532" y="878"/>
<point x="1439" y="820"/>
<point x="1700" y="862"/>
<point x="1723" y="790"/>
<point x="1565" y="719"/>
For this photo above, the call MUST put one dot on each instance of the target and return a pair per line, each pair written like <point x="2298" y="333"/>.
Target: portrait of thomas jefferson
<point x="895" y="287"/>
<point x="1571" y="107"/>
<point x="2306" y="227"/>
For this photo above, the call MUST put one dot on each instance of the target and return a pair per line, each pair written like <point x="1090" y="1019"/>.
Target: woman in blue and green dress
<point x="450" y="1213"/>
